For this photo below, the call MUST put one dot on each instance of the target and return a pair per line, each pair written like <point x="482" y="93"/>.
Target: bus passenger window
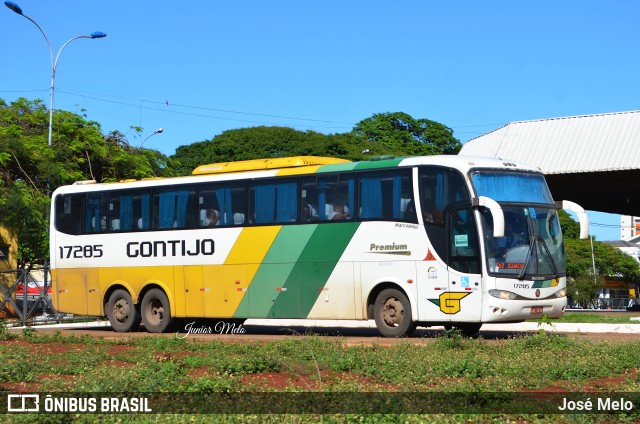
<point x="121" y="212"/>
<point x="274" y="201"/>
<point x="95" y="213"/>
<point x="68" y="209"/>
<point x="335" y="197"/>
<point x="175" y="209"/>
<point x="384" y="195"/>
<point x="218" y="205"/>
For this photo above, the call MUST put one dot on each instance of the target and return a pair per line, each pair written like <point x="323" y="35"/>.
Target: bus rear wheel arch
<point x="156" y="311"/>
<point x="392" y="313"/>
<point x="122" y="312"/>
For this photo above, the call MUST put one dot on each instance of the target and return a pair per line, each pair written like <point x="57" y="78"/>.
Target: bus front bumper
<point x="499" y="310"/>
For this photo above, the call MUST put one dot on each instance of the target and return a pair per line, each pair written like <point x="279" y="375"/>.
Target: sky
<point x="199" y="68"/>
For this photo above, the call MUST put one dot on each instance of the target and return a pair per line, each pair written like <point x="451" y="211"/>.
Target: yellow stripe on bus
<point x="252" y="245"/>
<point x="234" y="277"/>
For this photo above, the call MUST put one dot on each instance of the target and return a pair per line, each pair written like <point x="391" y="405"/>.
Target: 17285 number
<point x="86" y="251"/>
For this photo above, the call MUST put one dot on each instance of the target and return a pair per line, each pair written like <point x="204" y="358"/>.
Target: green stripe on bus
<point x="541" y="284"/>
<point x="374" y="164"/>
<point x="314" y="267"/>
<point x="274" y="270"/>
<point x="357" y="166"/>
<point x="338" y="167"/>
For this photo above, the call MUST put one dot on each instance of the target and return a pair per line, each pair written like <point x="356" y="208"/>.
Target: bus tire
<point x="156" y="311"/>
<point x="467" y="329"/>
<point x="392" y="313"/>
<point x="122" y="312"/>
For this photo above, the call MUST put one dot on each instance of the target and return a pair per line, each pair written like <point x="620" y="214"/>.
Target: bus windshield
<point x="531" y="246"/>
<point x="512" y="186"/>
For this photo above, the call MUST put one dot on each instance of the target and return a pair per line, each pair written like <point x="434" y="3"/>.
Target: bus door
<point x="463" y="301"/>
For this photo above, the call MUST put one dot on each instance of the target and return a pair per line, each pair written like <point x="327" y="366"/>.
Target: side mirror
<point x="496" y="213"/>
<point x="582" y="216"/>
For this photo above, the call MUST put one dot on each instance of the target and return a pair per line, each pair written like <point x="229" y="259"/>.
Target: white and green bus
<point x="437" y="240"/>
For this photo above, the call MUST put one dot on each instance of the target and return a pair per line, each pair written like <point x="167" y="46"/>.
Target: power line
<point x="167" y="110"/>
<point x="170" y="104"/>
<point x="104" y="98"/>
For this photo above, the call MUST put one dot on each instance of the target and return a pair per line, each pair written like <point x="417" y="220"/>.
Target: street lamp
<point x="54" y="63"/>
<point x="158" y="131"/>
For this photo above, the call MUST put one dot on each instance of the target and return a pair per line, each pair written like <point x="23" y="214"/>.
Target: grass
<point x="592" y="318"/>
<point x="308" y="368"/>
<point x="582" y="317"/>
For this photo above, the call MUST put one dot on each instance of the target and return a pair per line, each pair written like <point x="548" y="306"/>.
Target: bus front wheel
<point x="122" y="312"/>
<point x="392" y="313"/>
<point x="156" y="312"/>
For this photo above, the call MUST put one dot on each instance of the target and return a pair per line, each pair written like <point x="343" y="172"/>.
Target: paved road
<point x="349" y="332"/>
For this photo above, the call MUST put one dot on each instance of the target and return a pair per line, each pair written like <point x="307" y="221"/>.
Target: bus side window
<point x="274" y="201"/>
<point x="309" y="200"/>
<point x="336" y="197"/>
<point x="175" y="209"/>
<point x="141" y="210"/>
<point x="386" y="195"/>
<point x="121" y="212"/>
<point x="221" y="204"/>
<point x="68" y="209"/>
<point x="95" y="213"/>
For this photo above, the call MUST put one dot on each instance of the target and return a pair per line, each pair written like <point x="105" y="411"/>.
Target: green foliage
<point x="4" y="332"/>
<point x="382" y="134"/>
<point x="536" y="361"/>
<point x="31" y="169"/>
<point x="595" y="318"/>
<point x="29" y="333"/>
<point x="264" y="142"/>
<point x="609" y="262"/>
<point x="452" y="339"/>
<point x="405" y="135"/>
<point x="544" y="321"/>
<point x="583" y="289"/>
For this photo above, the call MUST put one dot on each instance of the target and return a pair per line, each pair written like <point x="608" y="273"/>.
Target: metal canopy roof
<point x="593" y="160"/>
<point x="588" y="143"/>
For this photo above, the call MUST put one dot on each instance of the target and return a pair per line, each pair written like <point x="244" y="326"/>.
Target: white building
<point x="630" y="226"/>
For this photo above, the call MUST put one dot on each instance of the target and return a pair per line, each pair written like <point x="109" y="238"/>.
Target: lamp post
<point x="54" y="63"/>
<point x="158" y="131"/>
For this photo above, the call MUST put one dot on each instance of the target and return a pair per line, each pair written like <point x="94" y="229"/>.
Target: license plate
<point x="536" y="309"/>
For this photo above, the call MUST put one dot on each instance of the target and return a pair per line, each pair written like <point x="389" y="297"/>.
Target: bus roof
<point x="259" y="164"/>
<point x="301" y="165"/>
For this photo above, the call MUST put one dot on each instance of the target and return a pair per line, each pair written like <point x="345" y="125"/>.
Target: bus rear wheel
<point x="392" y="313"/>
<point x="122" y="312"/>
<point x="156" y="312"/>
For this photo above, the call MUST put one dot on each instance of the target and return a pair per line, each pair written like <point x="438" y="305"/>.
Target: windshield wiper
<point x="548" y="252"/>
<point x="532" y="245"/>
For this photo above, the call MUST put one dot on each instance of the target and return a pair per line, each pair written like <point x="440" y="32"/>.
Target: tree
<point x="609" y="262"/>
<point x="395" y="134"/>
<point x="264" y="142"/>
<point x="30" y="169"/>
<point x="404" y="135"/>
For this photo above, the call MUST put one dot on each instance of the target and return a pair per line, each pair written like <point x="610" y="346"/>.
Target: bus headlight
<point x="503" y="294"/>
<point x="561" y="293"/>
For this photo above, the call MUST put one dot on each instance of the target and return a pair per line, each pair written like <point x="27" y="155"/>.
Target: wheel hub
<point x="392" y="312"/>
<point x="121" y="310"/>
<point x="157" y="311"/>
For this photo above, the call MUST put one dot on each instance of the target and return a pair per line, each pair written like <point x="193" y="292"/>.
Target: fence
<point x="614" y="303"/>
<point x="29" y="297"/>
